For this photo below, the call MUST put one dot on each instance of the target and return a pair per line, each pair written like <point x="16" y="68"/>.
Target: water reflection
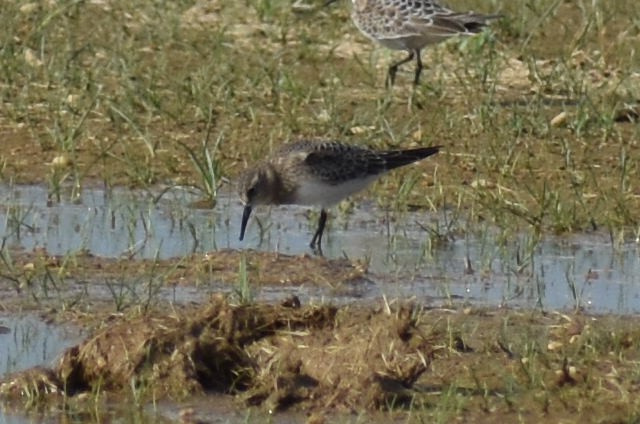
<point x="26" y="341"/>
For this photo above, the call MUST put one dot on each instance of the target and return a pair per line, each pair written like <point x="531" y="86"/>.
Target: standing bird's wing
<point x="335" y="163"/>
<point x="342" y="163"/>
<point x="450" y="24"/>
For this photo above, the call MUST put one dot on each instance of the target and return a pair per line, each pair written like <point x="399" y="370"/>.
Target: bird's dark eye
<point x="251" y="192"/>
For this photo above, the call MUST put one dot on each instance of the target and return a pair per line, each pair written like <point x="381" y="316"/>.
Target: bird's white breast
<point x="311" y="192"/>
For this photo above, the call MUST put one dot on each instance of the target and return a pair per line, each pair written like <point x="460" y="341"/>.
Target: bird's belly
<point x="411" y="42"/>
<point x="396" y="36"/>
<point x="325" y="195"/>
<point x="394" y="43"/>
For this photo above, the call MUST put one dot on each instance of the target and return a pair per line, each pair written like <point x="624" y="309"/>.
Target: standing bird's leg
<point x="416" y="79"/>
<point x="393" y="69"/>
<point x="316" y="241"/>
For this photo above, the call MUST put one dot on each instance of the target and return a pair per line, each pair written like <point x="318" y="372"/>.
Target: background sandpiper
<point x="318" y="173"/>
<point x="412" y="25"/>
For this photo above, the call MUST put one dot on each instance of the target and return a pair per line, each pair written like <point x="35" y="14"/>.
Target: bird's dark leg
<point x="416" y="79"/>
<point x="393" y="69"/>
<point x="316" y="241"/>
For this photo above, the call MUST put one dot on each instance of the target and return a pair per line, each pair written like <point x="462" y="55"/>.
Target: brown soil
<point x="263" y="268"/>
<point x="69" y="274"/>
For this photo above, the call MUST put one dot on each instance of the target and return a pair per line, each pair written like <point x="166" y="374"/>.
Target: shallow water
<point x="484" y="270"/>
<point x="27" y="341"/>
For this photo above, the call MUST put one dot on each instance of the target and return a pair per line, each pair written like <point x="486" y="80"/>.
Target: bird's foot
<point x="317" y="248"/>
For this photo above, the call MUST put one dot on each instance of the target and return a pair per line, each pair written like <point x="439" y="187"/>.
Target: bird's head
<point x="257" y="186"/>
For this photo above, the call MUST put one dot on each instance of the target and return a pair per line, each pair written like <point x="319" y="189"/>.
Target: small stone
<point x="28" y="8"/>
<point x="559" y="120"/>
<point x="358" y="130"/>
<point x="61" y="161"/>
<point x="555" y="346"/>
<point x="31" y="58"/>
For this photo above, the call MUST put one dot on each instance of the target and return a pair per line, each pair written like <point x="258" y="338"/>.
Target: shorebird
<point x="412" y="25"/>
<point x="319" y="173"/>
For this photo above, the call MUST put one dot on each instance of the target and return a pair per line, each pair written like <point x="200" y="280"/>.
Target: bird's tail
<point x="397" y="158"/>
<point x="475" y="22"/>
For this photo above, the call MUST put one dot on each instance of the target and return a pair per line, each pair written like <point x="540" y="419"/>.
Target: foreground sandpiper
<point x="412" y="25"/>
<point x="318" y="173"/>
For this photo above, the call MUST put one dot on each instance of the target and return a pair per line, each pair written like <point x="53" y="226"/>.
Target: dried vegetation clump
<point x="437" y="363"/>
<point x="271" y="354"/>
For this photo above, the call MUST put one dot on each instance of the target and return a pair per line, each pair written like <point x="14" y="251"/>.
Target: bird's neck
<point x="276" y="186"/>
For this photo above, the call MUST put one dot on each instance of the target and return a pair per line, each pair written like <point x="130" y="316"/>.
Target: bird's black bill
<point x="245" y="218"/>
